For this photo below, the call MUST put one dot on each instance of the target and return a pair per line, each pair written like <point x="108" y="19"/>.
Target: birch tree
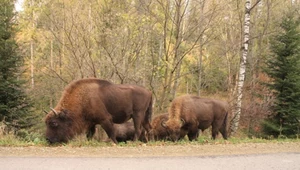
<point x="242" y="70"/>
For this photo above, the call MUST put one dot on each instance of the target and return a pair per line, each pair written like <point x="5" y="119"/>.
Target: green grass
<point x="12" y="141"/>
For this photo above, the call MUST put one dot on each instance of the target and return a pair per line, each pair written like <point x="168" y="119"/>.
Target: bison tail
<point x="224" y="130"/>
<point x="148" y="116"/>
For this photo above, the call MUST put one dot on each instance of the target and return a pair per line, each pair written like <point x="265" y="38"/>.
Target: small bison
<point x="88" y="102"/>
<point x="193" y="113"/>
<point x="125" y="132"/>
<point x="158" y="132"/>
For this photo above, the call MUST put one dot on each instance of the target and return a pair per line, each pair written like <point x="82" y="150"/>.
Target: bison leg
<point x="137" y="119"/>
<point x="224" y="132"/>
<point x="219" y="126"/>
<point x="148" y="129"/>
<point x="214" y="134"/>
<point x="91" y="132"/>
<point x="108" y="127"/>
<point x="223" y="129"/>
<point x="216" y="126"/>
<point x="193" y="135"/>
<point x="147" y="126"/>
<point x="146" y="123"/>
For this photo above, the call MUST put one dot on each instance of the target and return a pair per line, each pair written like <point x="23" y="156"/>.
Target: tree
<point x="14" y="104"/>
<point x="284" y="69"/>
<point x="242" y="70"/>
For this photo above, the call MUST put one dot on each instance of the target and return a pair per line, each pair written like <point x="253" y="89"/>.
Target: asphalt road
<point x="275" y="161"/>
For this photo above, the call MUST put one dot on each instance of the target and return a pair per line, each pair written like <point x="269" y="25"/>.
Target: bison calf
<point x="125" y="132"/>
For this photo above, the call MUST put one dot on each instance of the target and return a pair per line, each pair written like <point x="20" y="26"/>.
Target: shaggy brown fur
<point x="88" y="102"/>
<point x="193" y="113"/>
<point x="158" y="132"/>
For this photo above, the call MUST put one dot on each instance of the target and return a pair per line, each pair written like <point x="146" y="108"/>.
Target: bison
<point x="193" y="113"/>
<point x="158" y="132"/>
<point x="87" y="102"/>
<point x="125" y="132"/>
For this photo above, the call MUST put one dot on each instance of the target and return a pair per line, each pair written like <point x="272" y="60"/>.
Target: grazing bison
<point x="193" y="113"/>
<point x="125" y="132"/>
<point x="87" y="102"/>
<point x="158" y="132"/>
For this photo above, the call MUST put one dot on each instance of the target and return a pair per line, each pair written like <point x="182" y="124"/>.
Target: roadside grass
<point x="12" y="140"/>
<point x="81" y="141"/>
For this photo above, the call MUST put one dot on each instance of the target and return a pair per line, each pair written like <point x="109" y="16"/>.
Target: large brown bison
<point x="158" y="132"/>
<point x="87" y="102"/>
<point x="193" y="113"/>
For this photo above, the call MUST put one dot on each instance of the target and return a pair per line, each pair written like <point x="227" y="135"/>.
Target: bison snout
<point x="174" y="138"/>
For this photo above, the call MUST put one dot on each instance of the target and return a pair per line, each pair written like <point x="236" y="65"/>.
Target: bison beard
<point x="88" y="102"/>
<point x="193" y="113"/>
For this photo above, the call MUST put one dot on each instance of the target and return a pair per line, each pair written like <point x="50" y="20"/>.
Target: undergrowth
<point x="13" y="141"/>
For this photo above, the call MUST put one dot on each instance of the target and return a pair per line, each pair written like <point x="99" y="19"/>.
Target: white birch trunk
<point x="242" y="72"/>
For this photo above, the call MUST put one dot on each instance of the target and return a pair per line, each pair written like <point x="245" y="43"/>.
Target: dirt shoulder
<point x="151" y="151"/>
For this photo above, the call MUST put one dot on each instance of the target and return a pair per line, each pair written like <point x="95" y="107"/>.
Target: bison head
<point x="59" y="126"/>
<point x="173" y="127"/>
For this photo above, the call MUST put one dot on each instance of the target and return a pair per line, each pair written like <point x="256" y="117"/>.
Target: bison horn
<point x="45" y="111"/>
<point x="163" y="124"/>
<point x="54" y="111"/>
<point x="182" y="121"/>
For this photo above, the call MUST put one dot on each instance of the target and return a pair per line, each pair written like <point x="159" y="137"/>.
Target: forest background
<point x="171" y="47"/>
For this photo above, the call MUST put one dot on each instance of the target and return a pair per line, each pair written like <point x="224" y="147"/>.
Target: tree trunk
<point x="200" y="68"/>
<point x="31" y="53"/>
<point x="165" y="57"/>
<point x="199" y="59"/>
<point x="178" y="39"/>
<point x="242" y="71"/>
<point x="31" y="64"/>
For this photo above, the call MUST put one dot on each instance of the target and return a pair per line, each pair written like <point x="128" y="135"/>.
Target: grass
<point x="12" y="141"/>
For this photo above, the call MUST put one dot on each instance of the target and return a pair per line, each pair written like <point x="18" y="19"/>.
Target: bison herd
<point x="88" y="102"/>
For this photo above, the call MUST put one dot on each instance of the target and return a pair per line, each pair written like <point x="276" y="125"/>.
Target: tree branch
<point x="256" y="3"/>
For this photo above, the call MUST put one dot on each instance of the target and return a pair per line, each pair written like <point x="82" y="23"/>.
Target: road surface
<point x="273" y="161"/>
<point x="252" y="156"/>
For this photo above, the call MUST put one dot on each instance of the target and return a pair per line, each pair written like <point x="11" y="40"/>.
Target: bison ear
<point x="63" y="114"/>
<point x="163" y="124"/>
